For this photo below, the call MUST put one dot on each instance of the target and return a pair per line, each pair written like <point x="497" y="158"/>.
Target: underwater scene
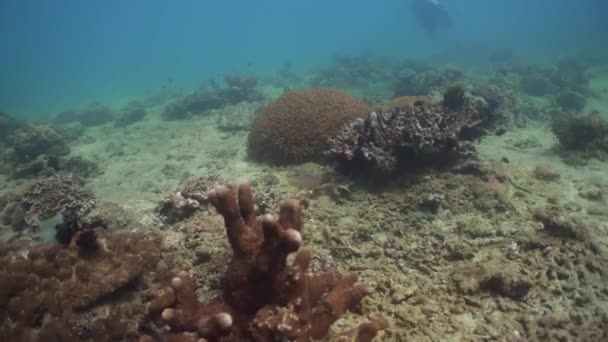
<point x="353" y="171"/>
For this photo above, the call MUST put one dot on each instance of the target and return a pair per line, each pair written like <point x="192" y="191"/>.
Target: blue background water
<point x="59" y="54"/>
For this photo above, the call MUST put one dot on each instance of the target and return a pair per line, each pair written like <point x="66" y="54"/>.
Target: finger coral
<point x="264" y="298"/>
<point x="296" y="127"/>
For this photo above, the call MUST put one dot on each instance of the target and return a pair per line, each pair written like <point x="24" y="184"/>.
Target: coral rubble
<point x="296" y="127"/>
<point x="423" y="81"/>
<point x="263" y="297"/>
<point x="382" y="143"/>
<point x="8" y="126"/>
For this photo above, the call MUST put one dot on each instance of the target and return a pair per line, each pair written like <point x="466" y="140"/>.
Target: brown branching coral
<point x="384" y="142"/>
<point x="296" y="127"/>
<point x="263" y="297"/>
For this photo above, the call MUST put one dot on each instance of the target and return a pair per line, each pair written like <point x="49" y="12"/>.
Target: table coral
<point x="263" y="297"/>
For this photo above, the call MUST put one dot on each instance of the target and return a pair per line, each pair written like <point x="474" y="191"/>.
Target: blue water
<point x="64" y="54"/>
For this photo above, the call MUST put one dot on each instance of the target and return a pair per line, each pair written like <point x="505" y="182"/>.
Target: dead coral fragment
<point x="264" y="298"/>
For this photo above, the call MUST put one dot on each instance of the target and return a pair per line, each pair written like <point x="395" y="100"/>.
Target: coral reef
<point x="94" y="114"/>
<point x="263" y="298"/>
<point x="49" y="196"/>
<point x="237" y="118"/>
<point x="502" y="104"/>
<point x="407" y="102"/>
<point x="351" y="71"/>
<point x="132" y="113"/>
<point x="89" y="291"/>
<point x="12" y="212"/>
<point x="51" y="165"/>
<point x="239" y="89"/>
<point x="571" y="101"/>
<point x="383" y="143"/>
<point x="454" y="96"/>
<point x="32" y="141"/>
<point x="537" y="85"/>
<point x="8" y="126"/>
<point x="296" y="127"/>
<point x="412" y="82"/>
<point x="566" y="83"/>
<point x="583" y="136"/>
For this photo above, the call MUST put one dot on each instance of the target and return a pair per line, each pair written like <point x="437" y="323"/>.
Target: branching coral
<point x="296" y="127"/>
<point x="384" y="142"/>
<point x="264" y="298"/>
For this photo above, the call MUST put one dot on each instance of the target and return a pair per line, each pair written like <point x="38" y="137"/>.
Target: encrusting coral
<point x="296" y="127"/>
<point x="49" y="196"/>
<point x="263" y="298"/>
<point x="79" y="293"/>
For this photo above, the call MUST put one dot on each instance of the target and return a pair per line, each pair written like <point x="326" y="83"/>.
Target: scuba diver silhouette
<point x="431" y="15"/>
